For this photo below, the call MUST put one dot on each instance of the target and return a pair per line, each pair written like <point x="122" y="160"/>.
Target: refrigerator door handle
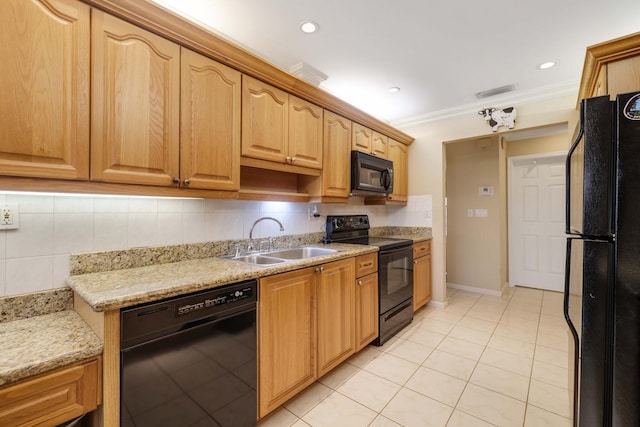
<point x="568" y="173"/>
<point x="574" y="333"/>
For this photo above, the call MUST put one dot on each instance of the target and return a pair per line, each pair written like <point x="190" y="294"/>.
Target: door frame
<point x="510" y="165"/>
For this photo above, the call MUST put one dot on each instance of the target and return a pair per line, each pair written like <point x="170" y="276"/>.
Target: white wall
<point x="426" y="166"/>
<point x="36" y="256"/>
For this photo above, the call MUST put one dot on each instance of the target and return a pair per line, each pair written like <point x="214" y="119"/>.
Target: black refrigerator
<point x="602" y="285"/>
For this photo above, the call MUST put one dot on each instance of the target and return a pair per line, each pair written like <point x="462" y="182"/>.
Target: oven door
<point x="395" y="277"/>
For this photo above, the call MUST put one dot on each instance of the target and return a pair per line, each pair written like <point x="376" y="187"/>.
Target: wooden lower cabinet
<point x="306" y="327"/>
<point x="51" y="399"/>
<point x="286" y="337"/>
<point x="421" y="274"/>
<point x="366" y="310"/>
<point x="336" y="314"/>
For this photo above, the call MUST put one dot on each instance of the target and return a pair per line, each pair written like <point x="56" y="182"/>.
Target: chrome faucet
<point x="262" y="219"/>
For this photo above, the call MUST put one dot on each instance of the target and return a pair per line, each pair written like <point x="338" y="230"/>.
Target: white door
<point x="537" y="221"/>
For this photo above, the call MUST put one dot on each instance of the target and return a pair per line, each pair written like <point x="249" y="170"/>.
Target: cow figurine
<point x="497" y="118"/>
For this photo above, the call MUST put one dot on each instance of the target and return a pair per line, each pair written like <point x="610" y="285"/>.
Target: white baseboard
<point x="474" y="289"/>
<point x="437" y="304"/>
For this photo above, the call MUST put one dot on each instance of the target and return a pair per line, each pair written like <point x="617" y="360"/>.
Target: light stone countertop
<point x="39" y="344"/>
<point x="117" y="289"/>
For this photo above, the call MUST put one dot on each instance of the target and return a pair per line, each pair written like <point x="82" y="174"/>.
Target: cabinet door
<point x="398" y="154"/>
<point x="210" y="124"/>
<point x="361" y="138"/>
<point x="623" y="76"/>
<point x="305" y="133"/>
<point x="379" y="145"/>
<point x="421" y="281"/>
<point x="44" y="120"/>
<point x="366" y="310"/>
<point x="265" y="121"/>
<point x="336" y="172"/>
<point x="135" y="102"/>
<point x="336" y="314"/>
<point x="286" y="337"/>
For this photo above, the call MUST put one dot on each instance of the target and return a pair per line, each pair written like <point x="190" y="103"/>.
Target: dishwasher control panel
<point x="216" y="301"/>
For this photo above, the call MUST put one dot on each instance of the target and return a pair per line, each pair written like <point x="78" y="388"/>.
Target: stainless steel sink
<point x="281" y="255"/>
<point x="259" y="259"/>
<point x="300" y="253"/>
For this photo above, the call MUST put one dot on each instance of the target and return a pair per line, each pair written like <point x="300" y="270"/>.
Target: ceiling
<point x="439" y="53"/>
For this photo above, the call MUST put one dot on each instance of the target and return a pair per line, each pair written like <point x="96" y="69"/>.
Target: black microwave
<point x="370" y="175"/>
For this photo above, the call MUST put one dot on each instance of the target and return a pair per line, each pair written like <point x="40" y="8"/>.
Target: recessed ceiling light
<point x="309" y="27"/>
<point x="546" y="65"/>
<point x="394" y="89"/>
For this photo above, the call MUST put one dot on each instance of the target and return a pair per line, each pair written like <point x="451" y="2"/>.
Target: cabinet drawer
<point x="51" y="399"/>
<point x="366" y="264"/>
<point x="421" y="249"/>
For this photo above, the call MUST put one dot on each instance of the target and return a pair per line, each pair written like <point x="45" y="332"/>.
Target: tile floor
<point x="481" y="361"/>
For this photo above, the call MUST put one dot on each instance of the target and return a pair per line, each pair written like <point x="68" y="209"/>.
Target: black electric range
<point x="395" y="270"/>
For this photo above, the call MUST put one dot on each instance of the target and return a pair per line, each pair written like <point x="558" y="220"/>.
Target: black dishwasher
<point x="191" y="360"/>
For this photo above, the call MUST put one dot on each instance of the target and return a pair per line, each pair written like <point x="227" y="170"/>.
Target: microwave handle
<point x="386" y="178"/>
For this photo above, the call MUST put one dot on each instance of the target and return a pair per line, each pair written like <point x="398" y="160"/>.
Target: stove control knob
<point x="340" y="222"/>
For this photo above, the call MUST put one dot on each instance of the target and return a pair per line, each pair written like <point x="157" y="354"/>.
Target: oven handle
<point x="396" y="250"/>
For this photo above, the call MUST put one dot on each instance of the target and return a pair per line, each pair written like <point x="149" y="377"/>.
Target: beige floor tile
<point x="533" y="293"/>
<point x="552" y="356"/>
<point x="484" y="313"/>
<point x="366" y="355"/>
<point x="509" y="319"/>
<point x="477" y="324"/>
<point x="450" y="364"/>
<point x="518" y="333"/>
<point x="300" y="423"/>
<point x="549" y="397"/>
<point x="512" y="346"/>
<point x="437" y="326"/>
<point x="338" y="410"/>
<point x="370" y="390"/>
<point x="382" y="421"/>
<point x="392" y="368"/>
<point x="445" y="316"/>
<point x="436" y="385"/>
<point x="536" y="417"/>
<point x="409" y="350"/>
<point x="501" y="381"/>
<point x="555" y="341"/>
<point x="552" y="303"/>
<point x="339" y="375"/>
<point x="472" y="335"/>
<point x="460" y="419"/>
<point x="492" y="407"/>
<point x="550" y="374"/>
<point x="424" y="336"/>
<point x="308" y="399"/>
<point x="507" y="361"/>
<point x="278" y="418"/>
<point x="462" y="348"/>
<point x="409" y="409"/>
<point x="516" y="313"/>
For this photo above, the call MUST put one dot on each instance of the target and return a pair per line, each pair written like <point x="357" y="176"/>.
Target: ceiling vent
<point x="308" y="73"/>
<point x="495" y="91"/>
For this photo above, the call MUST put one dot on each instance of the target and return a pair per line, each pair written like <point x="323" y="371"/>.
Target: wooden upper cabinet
<point x="279" y="127"/>
<point x="361" y="138"/>
<point x="135" y="118"/>
<point x="611" y="68"/>
<point x="379" y="145"/>
<point x="265" y="120"/>
<point x="44" y="106"/>
<point x="210" y="124"/>
<point x="368" y="141"/>
<point x="305" y="133"/>
<point x="336" y="172"/>
<point x="398" y="154"/>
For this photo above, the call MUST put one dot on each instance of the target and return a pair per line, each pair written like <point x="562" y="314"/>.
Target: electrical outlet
<point x="9" y="217"/>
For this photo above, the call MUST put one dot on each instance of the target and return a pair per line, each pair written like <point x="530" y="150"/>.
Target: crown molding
<point x="519" y="97"/>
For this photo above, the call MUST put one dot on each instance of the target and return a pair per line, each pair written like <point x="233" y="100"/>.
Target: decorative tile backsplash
<point x="36" y="257"/>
